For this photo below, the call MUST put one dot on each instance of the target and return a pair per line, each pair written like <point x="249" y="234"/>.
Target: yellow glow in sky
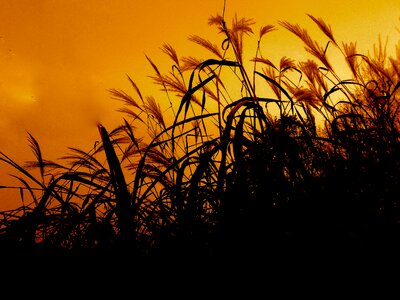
<point x="59" y="57"/>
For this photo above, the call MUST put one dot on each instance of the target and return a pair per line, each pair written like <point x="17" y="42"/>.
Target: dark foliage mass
<point x="286" y="161"/>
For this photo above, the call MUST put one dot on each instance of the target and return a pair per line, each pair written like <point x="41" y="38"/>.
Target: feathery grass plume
<point x="264" y="61"/>
<point x="131" y="113"/>
<point x="190" y="63"/>
<point x="123" y="96"/>
<point x="158" y="75"/>
<point x="325" y="28"/>
<point x="350" y="51"/>
<point x="171" y="52"/>
<point x="129" y="101"/>
<point x="206" y="44"/>
<point x="94" y="170"/>
<point x="266" y="29"/>
<point x="135" y="87"/>
<point x="270" y="73"/>
<point x="307" y="96"/>
<point x="286" y="63"/>
<point x="263" y="31"/>
<point x="377" y="62"/>
<point x="315" y="80"/>
<point x="159" y="158"/>
<point x="311" y="46"/>
<point x="154" y="109"/>
<point x="240" y="27"/>
<point x="234" y="36"/>
<point x="218" y="21"/>
<point x="171" y="83"/>
<point x="34" y="145"/>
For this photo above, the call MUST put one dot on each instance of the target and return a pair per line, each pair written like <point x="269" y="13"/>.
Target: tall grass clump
<point x="240" y="157"/>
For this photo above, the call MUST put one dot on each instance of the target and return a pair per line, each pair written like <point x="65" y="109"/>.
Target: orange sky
<point x="58" y="57"/>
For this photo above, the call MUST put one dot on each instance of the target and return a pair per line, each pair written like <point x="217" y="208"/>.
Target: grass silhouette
<point x="309" y="168"/>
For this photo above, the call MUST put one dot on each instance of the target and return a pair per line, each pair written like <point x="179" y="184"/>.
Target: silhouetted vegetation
<point x="249" y="158"/>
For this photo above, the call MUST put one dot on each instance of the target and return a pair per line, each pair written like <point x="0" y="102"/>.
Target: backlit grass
<point x="227" y="168"/>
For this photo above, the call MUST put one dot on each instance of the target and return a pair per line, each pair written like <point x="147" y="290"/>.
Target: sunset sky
<point x="59" y="57"/>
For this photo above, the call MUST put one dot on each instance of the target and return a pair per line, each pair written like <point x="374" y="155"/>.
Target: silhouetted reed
<point x="311" y="166"/>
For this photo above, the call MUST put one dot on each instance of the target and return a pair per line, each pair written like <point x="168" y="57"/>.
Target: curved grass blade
<point x="123" y="203"/>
